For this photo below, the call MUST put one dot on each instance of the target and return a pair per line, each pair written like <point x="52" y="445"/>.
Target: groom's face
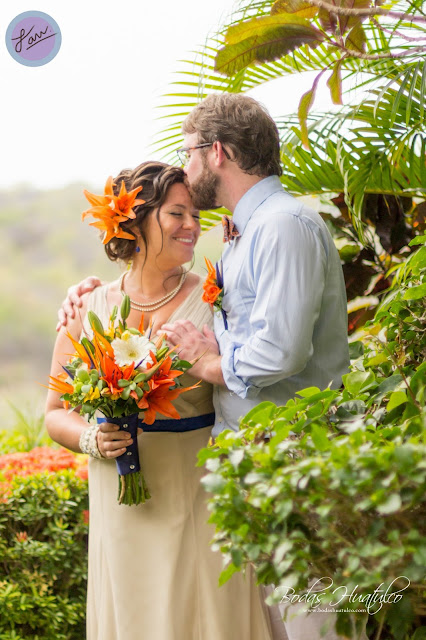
<point x="201" y="181"/>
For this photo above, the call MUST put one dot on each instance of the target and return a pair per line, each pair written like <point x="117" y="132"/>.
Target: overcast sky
<point x="91" y="111"/>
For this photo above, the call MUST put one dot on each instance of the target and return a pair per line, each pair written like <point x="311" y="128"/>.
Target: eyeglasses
<point x="183" y="154"/>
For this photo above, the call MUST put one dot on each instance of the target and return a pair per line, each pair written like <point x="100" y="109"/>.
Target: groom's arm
<point x="288" y="270"/>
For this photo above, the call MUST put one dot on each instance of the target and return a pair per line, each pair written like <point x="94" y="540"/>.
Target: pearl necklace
<point x="152" y="306"/>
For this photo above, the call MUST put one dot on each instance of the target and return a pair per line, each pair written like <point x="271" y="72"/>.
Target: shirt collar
<point x="253" y="198"/>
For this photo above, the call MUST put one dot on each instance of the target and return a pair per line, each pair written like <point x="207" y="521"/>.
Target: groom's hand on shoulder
<point x="73" y="299"/>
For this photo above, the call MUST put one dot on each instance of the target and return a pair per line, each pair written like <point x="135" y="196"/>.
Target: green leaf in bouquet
<point x="125" y="394"/>
<point x="182" y="365"/>
<point x="83" y="375"/>
<point x="86" y="408"/>
<point x="139" y="392"/>
<point x="141" y="377"/>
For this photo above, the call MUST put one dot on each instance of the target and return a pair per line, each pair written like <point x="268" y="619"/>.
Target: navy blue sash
<point x="178" y="426"/>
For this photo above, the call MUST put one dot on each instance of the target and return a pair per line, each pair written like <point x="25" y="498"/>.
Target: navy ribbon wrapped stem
<point x="128" y="462"/>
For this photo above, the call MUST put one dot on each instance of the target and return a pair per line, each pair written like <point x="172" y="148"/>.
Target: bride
<point x="152" y="572"/>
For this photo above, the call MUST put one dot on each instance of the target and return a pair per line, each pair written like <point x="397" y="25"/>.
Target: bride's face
<point x="173" y="230"/>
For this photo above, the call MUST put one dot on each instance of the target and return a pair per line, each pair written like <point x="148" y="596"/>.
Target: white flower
<point x="132" y="349"/>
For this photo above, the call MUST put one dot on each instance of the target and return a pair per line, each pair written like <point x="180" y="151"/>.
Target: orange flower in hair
<point x="110" y="210"/>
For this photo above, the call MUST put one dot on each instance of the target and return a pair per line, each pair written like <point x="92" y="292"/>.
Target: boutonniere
<point x="213" y="288"/>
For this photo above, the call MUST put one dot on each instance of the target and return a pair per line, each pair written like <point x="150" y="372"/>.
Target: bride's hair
<point x="156" y="178"/>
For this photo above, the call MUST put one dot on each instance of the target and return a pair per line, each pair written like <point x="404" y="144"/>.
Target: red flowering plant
<point x="122" y="373"/>
<point x="39" y="460"/>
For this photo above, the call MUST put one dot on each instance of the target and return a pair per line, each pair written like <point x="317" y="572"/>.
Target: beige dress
<point x="152" y="572"/>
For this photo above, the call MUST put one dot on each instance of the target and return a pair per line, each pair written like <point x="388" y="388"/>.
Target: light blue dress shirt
<point x="285" y="300"/>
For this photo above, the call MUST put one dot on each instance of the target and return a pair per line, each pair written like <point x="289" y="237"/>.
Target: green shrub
<point x="333" y="484"/>
<point x="43" y="546"/>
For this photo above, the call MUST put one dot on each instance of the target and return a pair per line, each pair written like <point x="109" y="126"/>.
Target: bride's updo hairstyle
<point x="156" y="178"/>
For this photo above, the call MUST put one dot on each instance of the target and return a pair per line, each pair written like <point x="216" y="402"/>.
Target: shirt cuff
<point x="232" y="381"/>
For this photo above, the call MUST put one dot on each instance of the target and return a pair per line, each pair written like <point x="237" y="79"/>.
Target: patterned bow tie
<point x="230" y="231"/>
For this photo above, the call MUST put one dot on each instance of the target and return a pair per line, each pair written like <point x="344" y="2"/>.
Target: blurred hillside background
<point x="45" y="248"/>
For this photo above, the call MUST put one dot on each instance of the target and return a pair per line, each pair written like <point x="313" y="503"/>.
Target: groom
<point x="284" y="326"/>
<point x="284" y="321"/>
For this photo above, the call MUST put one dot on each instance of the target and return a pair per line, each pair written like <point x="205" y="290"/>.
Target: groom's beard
<point x="203" y="191"/>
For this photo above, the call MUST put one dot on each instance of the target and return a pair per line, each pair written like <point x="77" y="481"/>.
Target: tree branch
<point x="374" y="11"/>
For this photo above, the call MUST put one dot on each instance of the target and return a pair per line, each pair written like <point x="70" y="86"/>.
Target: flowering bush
<point x="333" y="484"/>
<point x="43" y="545"/>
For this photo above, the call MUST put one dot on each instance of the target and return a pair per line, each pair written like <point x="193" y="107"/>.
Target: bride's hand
<point x="111" y="441"/>
<point x="73" y="299"/>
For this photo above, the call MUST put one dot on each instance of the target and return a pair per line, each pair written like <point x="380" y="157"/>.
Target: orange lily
<point x="126" y="200"/>
<point x="113" y="373"/>
<point x="112" y="228"/>
<point x="111" y="210"/>
<point x="159" y="401"/>
<point x="163" y="375"/>
<point x="100" y="201"/>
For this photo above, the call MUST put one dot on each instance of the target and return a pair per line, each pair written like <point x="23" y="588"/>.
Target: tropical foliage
<point x="333" y="483"/>
<point x="365" y="161"/>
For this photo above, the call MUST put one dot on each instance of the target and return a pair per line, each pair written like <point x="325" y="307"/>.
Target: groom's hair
<point x="244" y="125"/>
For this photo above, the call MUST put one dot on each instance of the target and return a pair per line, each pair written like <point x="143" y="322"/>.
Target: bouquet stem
<point x="132" y="489"/>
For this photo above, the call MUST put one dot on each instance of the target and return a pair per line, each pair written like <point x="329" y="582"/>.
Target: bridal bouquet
<point x="122" y="373"/>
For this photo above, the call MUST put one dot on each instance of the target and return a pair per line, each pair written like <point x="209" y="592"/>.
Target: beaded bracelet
<point x="88" y="441"/>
